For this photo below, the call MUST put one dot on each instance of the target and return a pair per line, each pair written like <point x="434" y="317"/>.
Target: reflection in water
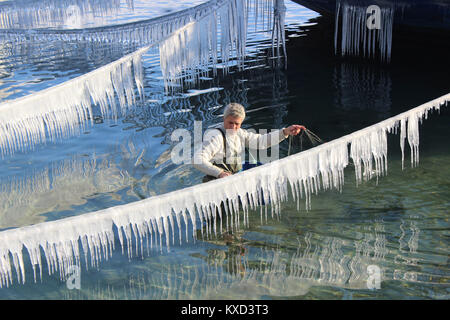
<point x="63" y="111"/>
<point x="61" y="186"/>
<point x="405" y="256"/>
<point x="135" y="163"/>
<point x="362" y="87"/>
<point x="243" y="271"/>
<point x="56" y="13"/>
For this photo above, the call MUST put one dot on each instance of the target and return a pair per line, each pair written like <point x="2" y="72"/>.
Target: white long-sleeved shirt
<point x="213" y="148"/>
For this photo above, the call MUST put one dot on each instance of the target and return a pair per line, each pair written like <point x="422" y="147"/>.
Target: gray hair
<point x="235" y="110"/>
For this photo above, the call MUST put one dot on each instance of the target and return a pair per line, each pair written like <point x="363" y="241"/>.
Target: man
<point x="221" y="155"/>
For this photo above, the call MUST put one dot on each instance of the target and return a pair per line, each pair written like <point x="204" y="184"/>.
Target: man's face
<point x="232" y="123"/>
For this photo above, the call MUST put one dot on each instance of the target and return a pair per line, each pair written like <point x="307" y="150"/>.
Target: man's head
<point x="233" y="116"/>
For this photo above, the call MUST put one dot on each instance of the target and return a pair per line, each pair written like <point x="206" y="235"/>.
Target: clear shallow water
<point x="399" y="224"/>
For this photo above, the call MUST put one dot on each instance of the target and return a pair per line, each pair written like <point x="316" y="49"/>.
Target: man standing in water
<point x="220" y="156"/>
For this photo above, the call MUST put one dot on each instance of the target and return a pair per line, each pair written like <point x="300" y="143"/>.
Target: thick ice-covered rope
<point x="319" y="168"/>
<point x="64" y="110"/>
<point x="356" y="36"/>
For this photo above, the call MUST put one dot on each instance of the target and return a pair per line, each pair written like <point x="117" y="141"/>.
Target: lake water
<point x="397" y="226"/>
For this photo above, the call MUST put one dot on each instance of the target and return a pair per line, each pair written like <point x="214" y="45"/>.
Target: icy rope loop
<point x="64" y="110"/>
<point x="156" y="216"/>
<point x="189" y="52"/>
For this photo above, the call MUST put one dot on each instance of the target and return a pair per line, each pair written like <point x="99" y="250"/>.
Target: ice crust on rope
<point x="319" y="168"/>
<point x="356" y="38"/>
<point x="64" y="110"/>
<point x="55" y="13"/>
<point x="217" y="38"/>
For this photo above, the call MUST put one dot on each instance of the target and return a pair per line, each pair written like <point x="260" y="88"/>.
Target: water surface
<point x="398" y="224"/>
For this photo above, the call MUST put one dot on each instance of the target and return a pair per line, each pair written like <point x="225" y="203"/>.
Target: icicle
<point x="55" y="13"/>
<point x="356" y="37"/>
<point x="278" y="32"/>
<point x="190" y="51"/>
<point x="141" y="33"/>
<point x="59" y="239"/>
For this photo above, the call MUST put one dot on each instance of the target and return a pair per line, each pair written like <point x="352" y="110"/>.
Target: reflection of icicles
<point x="59" y="51"/>
<point x="177" y="112"/>
<point x="356" y="37"/>
<point x="362" y="87"/>
<point x="180" y="111"/>
<point x="328" y="265"/>
<point x="370" y="250"/>
<point x="64" y="110"/>
<point x="413" y="242"/>
<point x="408" y="260"/>
<point x="422" y="277"/>
<point x="55" y="13"/>
<point x="401" y="240"/>
<point x="278" y="33"/>
<point x="163" y="215"/>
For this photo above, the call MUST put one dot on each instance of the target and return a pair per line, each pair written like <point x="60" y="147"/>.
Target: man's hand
<point x="224" y="174"/>
<point x="293" y="130"/>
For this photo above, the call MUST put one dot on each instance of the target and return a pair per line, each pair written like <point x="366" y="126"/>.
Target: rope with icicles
<point x="186" y="53"/>
<point x="150" y="220"/>
<point x="307" y="135"/>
